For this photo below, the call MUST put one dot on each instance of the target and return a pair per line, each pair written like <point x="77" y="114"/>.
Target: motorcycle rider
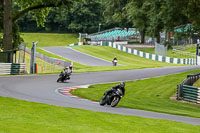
<point x="68" y="72"/>
<point x="114" y="61"/>
<point x="120" y="86"/>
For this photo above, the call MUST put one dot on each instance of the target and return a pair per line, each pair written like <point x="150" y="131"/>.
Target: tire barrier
<point x="187" y="92"/>
<point x="12" y="68"/>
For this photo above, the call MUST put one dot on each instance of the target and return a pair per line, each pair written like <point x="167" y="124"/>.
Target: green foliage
<point x="173" y="14"/>
<point x="137" y="13"/>
<point x="115" y="13"/>
<point x="193" y="13"/>
<point x="155" y="16"/>
<point x="40" y="8"/>
<point x="1" y="41"/>
<point x="17" y="39"/>
<point x="167" y="44"/>
<point x="1" y="16"/>
<point x="83" y="16"/>
<point x="1" y="24"/>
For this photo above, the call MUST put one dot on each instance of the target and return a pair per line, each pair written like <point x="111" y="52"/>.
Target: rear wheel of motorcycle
<point x="115" y="101"/>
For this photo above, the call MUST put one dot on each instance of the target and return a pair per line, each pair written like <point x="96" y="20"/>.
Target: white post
<point x="99" y="27"/>
<point x="79" y="37"/>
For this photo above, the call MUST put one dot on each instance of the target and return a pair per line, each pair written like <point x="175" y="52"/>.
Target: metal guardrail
<point x="191" y="94"/>
<point x="51" y="60"/>
<point x="183" y="52"/>
<point x="187" y="92"/>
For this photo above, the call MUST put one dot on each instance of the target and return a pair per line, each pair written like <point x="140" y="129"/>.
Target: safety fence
<point x="12" y="68"/>
<point x="187" y="92"/>
<point x="51" y="60"/>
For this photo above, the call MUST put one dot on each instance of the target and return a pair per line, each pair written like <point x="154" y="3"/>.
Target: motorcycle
<point x="64" y="76"/>
<point x="111" y="99"/>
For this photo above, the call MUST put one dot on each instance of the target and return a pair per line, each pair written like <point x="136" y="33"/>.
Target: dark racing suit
<point x="65" y="74"/>
<point x="115" y="88"/>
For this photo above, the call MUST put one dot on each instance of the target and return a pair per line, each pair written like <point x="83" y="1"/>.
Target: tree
<point x="138" y="14"/>
<point x="193" y="15"/>
<point x="116" y="14"/>
<point x="155" y="19"/>
<point x="40" y="9"/>
<point x="1" y="23"/>
<point x="85" y="16"/>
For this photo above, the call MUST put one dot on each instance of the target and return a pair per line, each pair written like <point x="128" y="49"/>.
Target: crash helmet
<point x="122" y="84"/>
<point x="70" y="66"/>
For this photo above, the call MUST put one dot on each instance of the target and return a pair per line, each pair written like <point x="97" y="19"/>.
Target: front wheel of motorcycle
<point x="59" y="79"/>
<point x="115" y="101"/>
<point x="102" y="101"/>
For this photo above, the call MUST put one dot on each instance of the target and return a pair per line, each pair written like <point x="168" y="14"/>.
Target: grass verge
<point x="130" y="61"/>
<point x="108" y="53"/>
<point x="149" y="94"/>
<point x="50" y="39"/>
<point x="197" y="83"/>
<point x="21" y="117"/>
<point x="186" y="48"/>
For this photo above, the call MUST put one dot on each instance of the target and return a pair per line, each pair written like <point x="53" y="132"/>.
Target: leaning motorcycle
<point x="112" y="98"/>
<point x="63" y="77"/>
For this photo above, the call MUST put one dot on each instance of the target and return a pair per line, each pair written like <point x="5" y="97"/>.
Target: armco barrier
<point x="151" y="56"/>
<point x="12" y="68"/>
<point x="51" y="60"/>
<point x="187" y="92"/>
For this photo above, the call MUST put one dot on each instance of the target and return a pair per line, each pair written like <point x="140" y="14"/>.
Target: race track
<point x="76" y="56"/>
<point x="42" y="89"/>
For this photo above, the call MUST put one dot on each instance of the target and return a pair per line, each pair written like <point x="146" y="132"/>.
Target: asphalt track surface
<point x="76" y="56"/>
<point x="42" y="89"/>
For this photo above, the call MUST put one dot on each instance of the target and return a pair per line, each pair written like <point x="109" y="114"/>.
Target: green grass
<point x="187" y="48"/>
<point x="49" y="39"/>
<point x="148" y="94"/>
<point x="128" y="60"/>
<point x="132" y="61"/>
<point x="197" y="83"/>
<point x="18" y="116"/>
<point x="169" y="53"/>
<point x="77" y="66"/>
<point x="42" y="66"/>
